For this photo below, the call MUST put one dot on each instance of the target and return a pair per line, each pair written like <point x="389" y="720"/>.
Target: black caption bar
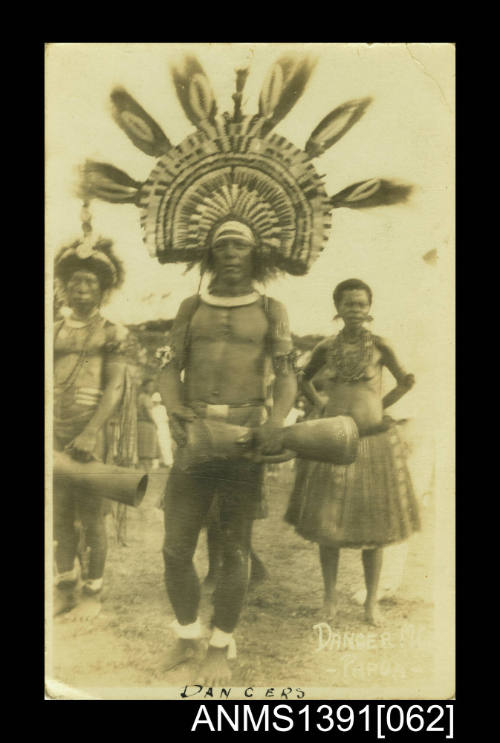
<point x="376" y="720"/>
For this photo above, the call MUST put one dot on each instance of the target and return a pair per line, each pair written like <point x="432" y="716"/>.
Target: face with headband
<point x="87" y="274"/>
<point x="232" y="252"/>
<point x="83" y="290"/>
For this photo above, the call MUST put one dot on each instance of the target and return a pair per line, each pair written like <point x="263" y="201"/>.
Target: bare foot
<point x="64" y="600"/>
<point x="330" y="609"/>
<point x="183" y="651"/>
<point x="372" y="614"/>
<point x="258" y="572"/>
<point x="214" y="669"/>
<point x="359" y="597"/>
<point x="87" y="608"/>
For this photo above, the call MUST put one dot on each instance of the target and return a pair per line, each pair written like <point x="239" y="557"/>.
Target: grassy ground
<point x="278" y="638"/>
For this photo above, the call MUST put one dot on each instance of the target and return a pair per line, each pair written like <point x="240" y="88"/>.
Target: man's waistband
<point x="208" y="410"/>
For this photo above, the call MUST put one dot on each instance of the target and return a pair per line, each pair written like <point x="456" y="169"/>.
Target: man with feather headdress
<point x="222" y="340"/>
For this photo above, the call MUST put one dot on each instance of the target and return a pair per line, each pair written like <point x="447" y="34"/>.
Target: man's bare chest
<point x="75" y="340"/>
<point x="246" y="324"/>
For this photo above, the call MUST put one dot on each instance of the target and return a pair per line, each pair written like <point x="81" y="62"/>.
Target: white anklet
<point x="222" y="639"/>
<point x="187" y="631"/>
<point x="70" y="576"/>
<point x="94" y="585"/>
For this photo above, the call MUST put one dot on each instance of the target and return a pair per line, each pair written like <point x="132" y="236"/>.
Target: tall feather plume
<point x="194" y="91"/>
<point x="282" y="88"/>
<point x="241" y="77"/>
<point x="374" y="192"/>
<point x="138" y="125"/>
<point x="103" y="181"/>
<point x="335" y="125"/>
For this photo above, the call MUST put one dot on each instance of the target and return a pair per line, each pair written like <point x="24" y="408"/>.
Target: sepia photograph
<point x="250" y="382"/>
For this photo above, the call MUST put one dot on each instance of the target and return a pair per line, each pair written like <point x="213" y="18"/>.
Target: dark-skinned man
<point x="222" y="340"/>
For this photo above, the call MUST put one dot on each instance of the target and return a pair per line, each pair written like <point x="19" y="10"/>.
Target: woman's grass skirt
<point x="367" y="504"/>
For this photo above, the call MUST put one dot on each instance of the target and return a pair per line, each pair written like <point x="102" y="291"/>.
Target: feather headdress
<point x="235" y="167"/>
<point x="89" y="253"/>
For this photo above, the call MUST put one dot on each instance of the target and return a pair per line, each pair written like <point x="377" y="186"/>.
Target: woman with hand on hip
<point x="370" y="503"/>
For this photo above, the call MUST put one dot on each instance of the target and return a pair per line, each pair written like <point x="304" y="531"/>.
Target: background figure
<point x="147" y="437"/>
<point x="159" y="413"/>
<point x="296" y="414"/>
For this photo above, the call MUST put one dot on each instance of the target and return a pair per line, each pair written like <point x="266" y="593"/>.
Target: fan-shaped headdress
<point x="235" y="168"/>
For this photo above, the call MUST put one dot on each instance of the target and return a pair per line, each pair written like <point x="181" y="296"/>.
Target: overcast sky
<point x="406" y="134"/>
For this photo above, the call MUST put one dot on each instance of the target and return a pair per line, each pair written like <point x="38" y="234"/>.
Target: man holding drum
<point x="223" y="340"/>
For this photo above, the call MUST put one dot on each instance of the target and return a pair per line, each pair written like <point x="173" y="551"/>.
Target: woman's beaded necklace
<point x="350" y="364"/>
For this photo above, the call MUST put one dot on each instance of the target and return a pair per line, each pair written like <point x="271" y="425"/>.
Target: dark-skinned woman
<point x="369" y="504"/>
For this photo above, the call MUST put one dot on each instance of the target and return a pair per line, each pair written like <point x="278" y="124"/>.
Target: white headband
<point x="233" y="230"/>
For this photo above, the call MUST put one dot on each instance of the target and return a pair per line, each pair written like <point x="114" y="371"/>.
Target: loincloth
<point x="238" y="482"/>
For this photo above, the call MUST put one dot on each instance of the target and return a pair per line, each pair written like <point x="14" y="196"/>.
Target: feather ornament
<point x="138" y="125"/>
<point x="235" y="167"/>
<point x="103" y="181"/>
<point x="194" y="91"/>
<point x="282" y="88"/>
<point x="370" y="193"/>
<point x="335" y="125"/>
<point x="241" y="77"/>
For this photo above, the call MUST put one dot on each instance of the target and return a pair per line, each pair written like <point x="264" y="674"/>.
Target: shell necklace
<point x="223" y="301"/>
<point x="350" y="364"/>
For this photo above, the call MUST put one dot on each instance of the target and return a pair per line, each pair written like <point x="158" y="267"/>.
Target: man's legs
<point x="187" y="503"/>
<point x="237" y="493"/>
<point x="214" y="547"/>
<point x="64" y="531"/>
<point x="215" y="540"/>
<point x="91" y="512"/>
<point x="67" y="540"/>
<point x="229" y="595"/>
<point x="187" y="500"/>
<point x="232" y="584"/>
